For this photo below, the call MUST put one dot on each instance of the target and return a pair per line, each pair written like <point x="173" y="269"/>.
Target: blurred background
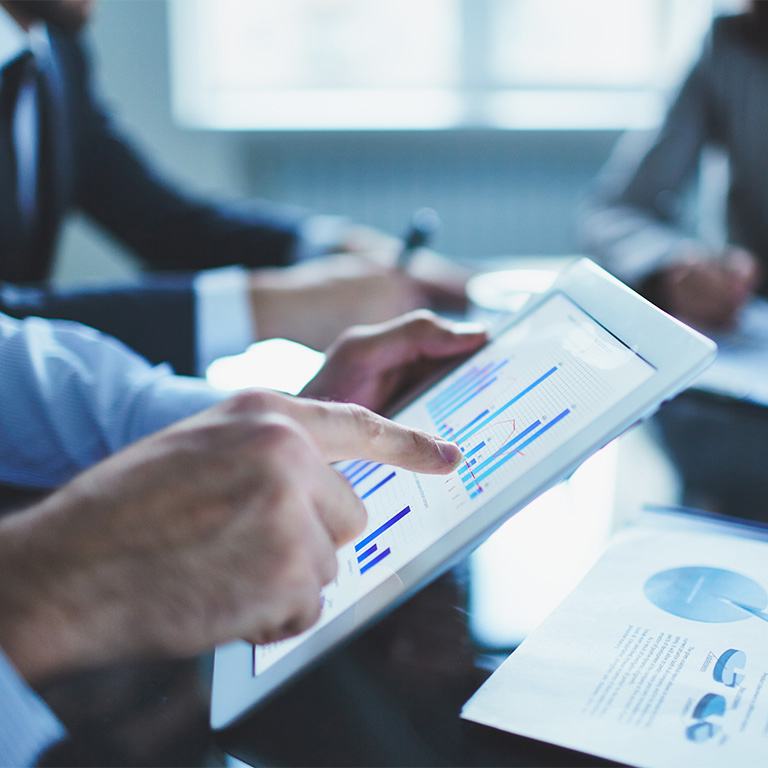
<point x="497" y="113"/>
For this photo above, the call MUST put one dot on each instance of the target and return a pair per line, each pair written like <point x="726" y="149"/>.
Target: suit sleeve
<point x="155" y="316"/>
<point x="631" y="220"/>
<point x="166" y="228"/>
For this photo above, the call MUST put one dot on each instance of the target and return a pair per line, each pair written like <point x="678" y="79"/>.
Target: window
<point x="431" y="64"/>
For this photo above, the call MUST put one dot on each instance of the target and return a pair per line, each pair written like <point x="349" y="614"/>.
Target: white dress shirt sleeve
<point x="70" y="396"/>
<point x="27" y="726"/>
<point x="224" y="322"/>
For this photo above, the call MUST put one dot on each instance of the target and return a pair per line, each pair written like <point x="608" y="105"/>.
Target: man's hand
<point x="313" y="302"/>
<point x="223" y="526"/>
<point x="372" y="365"/>
<point x="709" y="293"/>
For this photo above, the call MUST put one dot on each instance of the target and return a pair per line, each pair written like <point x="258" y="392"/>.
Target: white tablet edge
<point x="677" y="352"/>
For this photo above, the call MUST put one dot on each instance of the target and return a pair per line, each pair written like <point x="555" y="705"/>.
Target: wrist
<point x="44" y="586"/>
<point x="28" y="638"/>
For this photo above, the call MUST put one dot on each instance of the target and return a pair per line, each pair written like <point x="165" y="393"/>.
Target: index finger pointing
<point x="348" y="431"/>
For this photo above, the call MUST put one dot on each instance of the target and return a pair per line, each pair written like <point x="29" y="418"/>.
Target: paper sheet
<point x="659" y="658"/>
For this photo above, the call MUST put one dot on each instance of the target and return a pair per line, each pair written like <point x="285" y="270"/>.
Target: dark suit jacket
<point x="93" y="169"/>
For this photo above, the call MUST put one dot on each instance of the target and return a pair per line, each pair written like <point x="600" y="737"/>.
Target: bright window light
<point x="431" y="64"/>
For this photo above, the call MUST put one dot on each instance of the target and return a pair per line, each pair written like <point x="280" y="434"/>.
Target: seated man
<point x="133" y="557"/>
<point x="60" y="152"/>
<point x="636" y="221"/>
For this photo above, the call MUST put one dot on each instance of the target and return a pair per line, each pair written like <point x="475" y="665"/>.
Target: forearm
<point x="631" y="243"/>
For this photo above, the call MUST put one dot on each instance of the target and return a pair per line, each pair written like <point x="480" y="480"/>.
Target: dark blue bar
<point x="377" y="486"/>
<point x="471" y="423"/>
<point x="368" y="552"/>
<point x="511" y="402"/>
<point x="375" y="560"/>
<point x="365" y="474"/>
<point x="371" y="536"/>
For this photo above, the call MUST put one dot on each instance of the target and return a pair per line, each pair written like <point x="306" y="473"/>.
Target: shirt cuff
<point x="318" y="235"/>
<point x="224" y="323"/>
<point x="27" y="726"/>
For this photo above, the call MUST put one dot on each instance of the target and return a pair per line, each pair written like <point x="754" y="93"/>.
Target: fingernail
<point x="450" y="452"/>
<point x="470" y="328"/>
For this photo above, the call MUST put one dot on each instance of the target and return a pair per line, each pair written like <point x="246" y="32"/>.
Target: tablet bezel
<point x="676" y="352"/>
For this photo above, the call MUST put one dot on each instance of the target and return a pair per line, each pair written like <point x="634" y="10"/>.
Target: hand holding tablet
<point x="579" y="365"/>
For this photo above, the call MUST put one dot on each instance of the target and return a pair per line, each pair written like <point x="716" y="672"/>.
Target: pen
<point x="424" y="223"/>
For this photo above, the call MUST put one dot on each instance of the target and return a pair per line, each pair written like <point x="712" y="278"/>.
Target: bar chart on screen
<point x="509" y="409"/>
<point x="500" y="411"/>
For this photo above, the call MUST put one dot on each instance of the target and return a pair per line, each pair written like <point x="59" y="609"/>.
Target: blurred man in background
<point x="61" y="152"/>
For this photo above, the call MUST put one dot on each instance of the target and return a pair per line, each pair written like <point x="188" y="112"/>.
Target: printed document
<point x="659" y="658"/>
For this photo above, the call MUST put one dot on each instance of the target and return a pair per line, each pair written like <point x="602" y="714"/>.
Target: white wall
<point x="497" y="192"/>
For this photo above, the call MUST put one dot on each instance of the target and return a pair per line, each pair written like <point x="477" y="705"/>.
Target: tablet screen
<point x="509" y="407"/>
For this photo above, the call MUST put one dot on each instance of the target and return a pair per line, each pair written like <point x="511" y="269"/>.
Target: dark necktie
<point x="22" y="108"/>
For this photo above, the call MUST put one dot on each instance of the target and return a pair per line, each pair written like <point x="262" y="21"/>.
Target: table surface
<point x="393" y="695"/>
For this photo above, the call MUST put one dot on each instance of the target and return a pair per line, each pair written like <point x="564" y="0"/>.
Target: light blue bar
<point x="533" y="437"/>
<point x="434" y="403"/>
<point x="475" y="449"/>
<point x="509" y="444"/>
<point x="474" y="421"/>
<point x="350" y="467"/>
<point x="360" y="469"/>
<point x="463" y="391"/>
<point x="468" y="398"/>
<point x="469" y="464"/>
<point x="509" y="403"/>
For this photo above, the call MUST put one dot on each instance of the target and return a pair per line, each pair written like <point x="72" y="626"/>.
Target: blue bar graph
<point x="504" y="448"/>
<point x="508" y="404"/>
<point x="350" y="468"/>
<point x="471" y="396"/>
<point x="447" y="408"/>
<point x="358" y="470"/>
<point x="471" y="423"/>
<point x="375" y="560"/>
<point x="504" y="459"/>
<point x="371" y="536"/>
<point x="450" y="390"/>
<point x="465" y="467"/>
<point x="377" y="486"/>
<point x="368" y="552"/>
<point x="365" y="474"/>
<point x="475" y="449"/>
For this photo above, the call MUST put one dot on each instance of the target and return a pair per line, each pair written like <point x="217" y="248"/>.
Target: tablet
<point x="573" y="369"/>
